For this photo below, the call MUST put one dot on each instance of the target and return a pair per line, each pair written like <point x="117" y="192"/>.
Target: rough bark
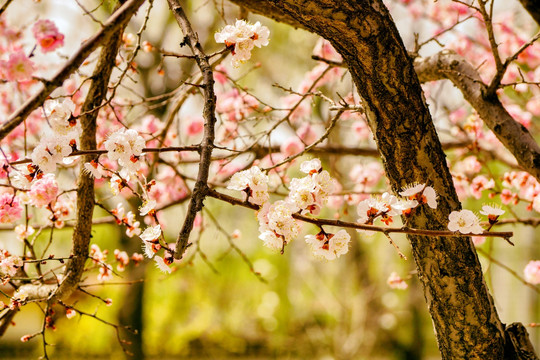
<point x="82" y="233"/>
<point x="207" y="144"/>
<point x="465" y="320"/>
<point x="533" y="7"/>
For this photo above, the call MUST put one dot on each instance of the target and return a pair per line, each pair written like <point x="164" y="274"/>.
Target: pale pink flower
<point x="148" y="207"/>
<point x="396" y="282"/>
<point x="306" y="133"/>
<point x="10" y="208"/>
<point x="464" y="221"/>
<point x="311" y="166"/>
<point x="59" y="114"/>
<point x="329" y="246"/>
<point x="532" y="272"/>
<point x="492" y="212"/>
<point x="195" y="126"/>
<point x="94" y="169"/>
<point x="23" y="231"/>
<point x="151" y="233"/>
<point x="47" y="35"/>
<point x="18" y="68"/>
<point x="122" y="258"/>
<point x="479" y="184"/>
<point x="291" y="146"/>
<point x="44" y="191"/>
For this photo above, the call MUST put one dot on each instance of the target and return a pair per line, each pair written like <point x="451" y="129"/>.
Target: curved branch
<point x="514" y="136"/>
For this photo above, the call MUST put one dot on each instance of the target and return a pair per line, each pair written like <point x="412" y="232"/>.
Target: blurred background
<point x="231" y="297"/>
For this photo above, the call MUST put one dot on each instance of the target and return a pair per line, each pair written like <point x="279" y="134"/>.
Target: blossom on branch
<point x="329" y="246"/>
<point x="253" y="183"/>
<point x="241" y="38"/>
<point x="465" y="222"/>
<point x="421" y="193"/>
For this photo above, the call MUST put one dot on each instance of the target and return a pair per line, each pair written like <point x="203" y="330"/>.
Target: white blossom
<point x="311" y="166"/>
<point x="242" y="37"/>
<point x="464" y="221"/>
<point x="329" y="246"/>
<point x="160" y="263"/>
<point x="151" y="233"/>
<point x="253" y="183"/>
<point x="58" y="114"/>
<point x="421" y="193"/>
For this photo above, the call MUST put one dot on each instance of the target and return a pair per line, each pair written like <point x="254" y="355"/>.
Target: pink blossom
<point x="18" y="68"/>
<point x="44" y="191"/>
<point x="306" y="133"/>
<point x="47" y="35"/>
<point x="361" y="129"/>
<point x="195" y="126"/>
<point x="220" y="74"/>
<point x="532" y="272"/>
<point x="291" y="146"/>
<point x="10" y="208"/>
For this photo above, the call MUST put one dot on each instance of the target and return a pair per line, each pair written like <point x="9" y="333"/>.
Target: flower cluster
<point x="253" y="183"/>
<point x="241" y="38"/>
<point x="329" y="246"/>
<point x="307" y="195"/>
<point x="9" y="264"/>
<point x="126" y="147"/>
<point x="127" y="219"/>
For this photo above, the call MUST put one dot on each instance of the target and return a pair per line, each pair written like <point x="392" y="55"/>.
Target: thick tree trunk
<point x="466" y="322"/>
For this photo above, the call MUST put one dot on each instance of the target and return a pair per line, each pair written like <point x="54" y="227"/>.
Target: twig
<point x="201" y="187"/>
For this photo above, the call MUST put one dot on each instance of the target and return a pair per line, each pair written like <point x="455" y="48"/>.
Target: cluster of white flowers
<point x="242" y="37"/>
<point x="276" y="224"/>
<point x="389" y="206"/>
<point x="150" y="238"/>
<point x="125" y="146"/>
<point x="54" y="148"/>
<point x="127" y="219"/>
<point x="151" y="245"/>
<point x="307" y="195"/>
<point x="253" y="183"/>
<point x="310" y="193"/>
<point x="329" y="246"/>
<point x="9" y="264"/>
<point x="51" y="151"/>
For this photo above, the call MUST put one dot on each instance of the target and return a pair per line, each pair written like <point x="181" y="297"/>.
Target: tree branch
<point x="207" y="144"/>
<point x="514" y="136"/>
